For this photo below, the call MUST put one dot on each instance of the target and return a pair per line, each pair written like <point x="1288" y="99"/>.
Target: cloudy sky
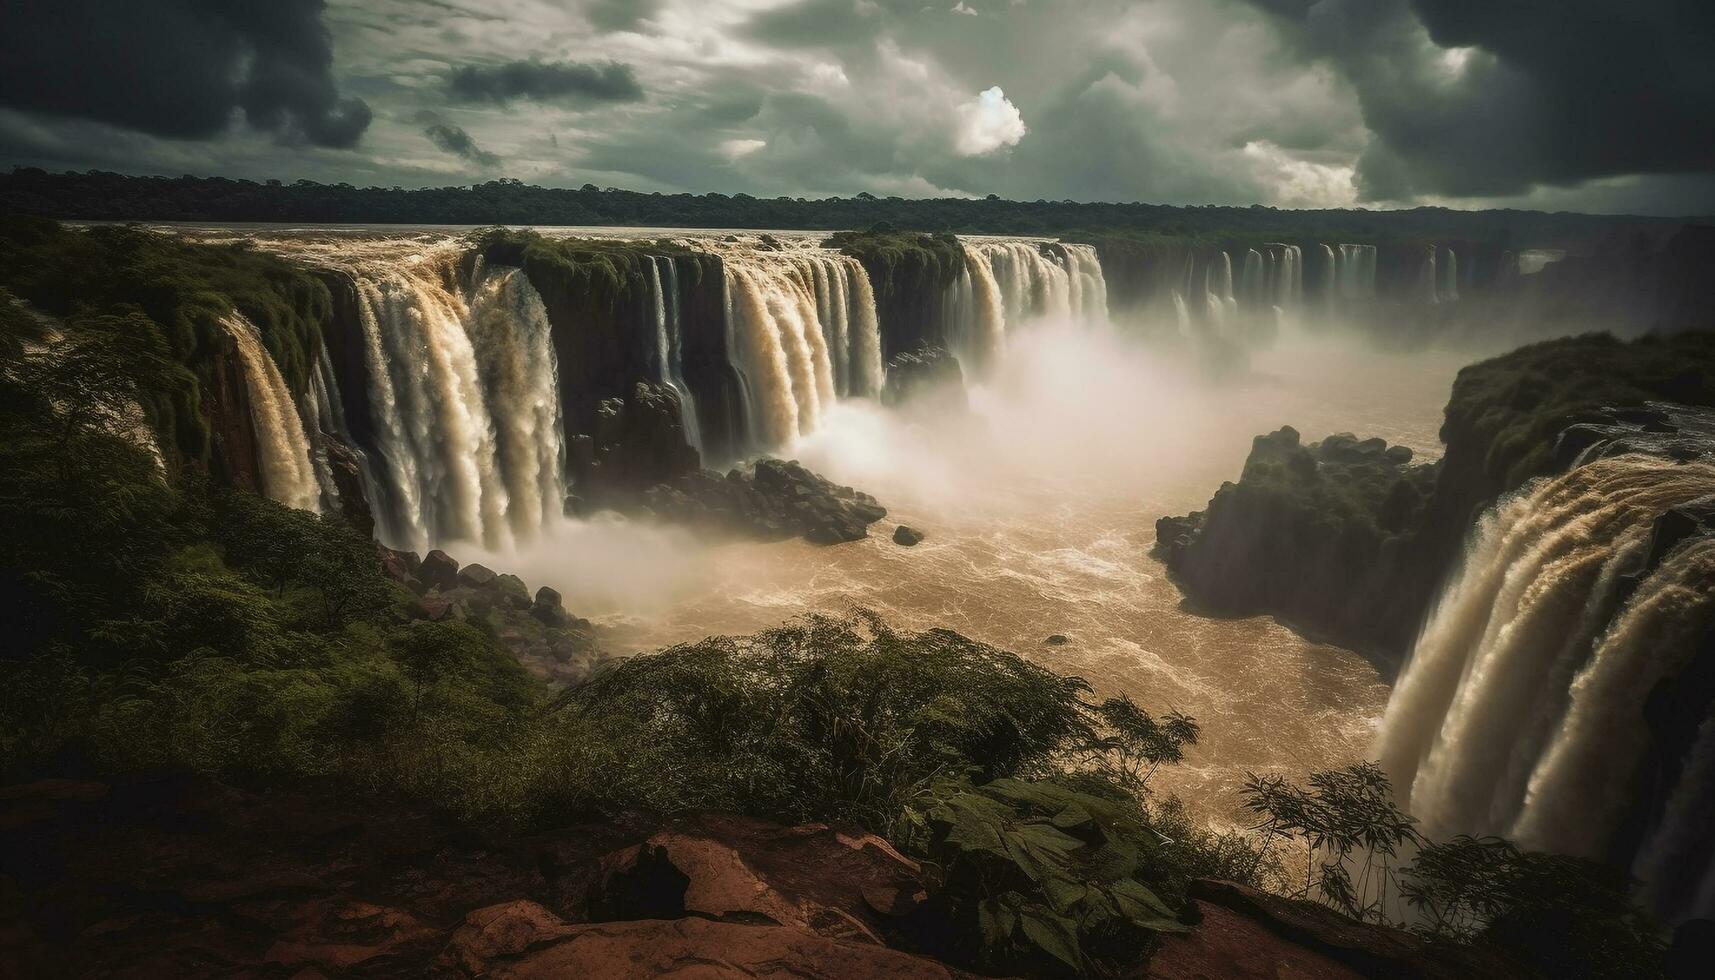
<point x="1600" y="105"/>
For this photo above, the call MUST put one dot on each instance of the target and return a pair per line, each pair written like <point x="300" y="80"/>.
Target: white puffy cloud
<point x="987" y="123"/>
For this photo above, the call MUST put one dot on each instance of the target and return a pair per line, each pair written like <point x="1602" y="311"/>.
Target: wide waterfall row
<point x="464" y="401"/>
<point x="1004" y="283"/>
<point x="1272" y="281"/>
<point x="801" y="331"/>
<point x="1523" y="710"/>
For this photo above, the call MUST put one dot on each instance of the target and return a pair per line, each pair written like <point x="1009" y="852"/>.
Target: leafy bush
<point x="1552" y="915"/>
<point x="1038" y="875"/>
<point x="824" y="718"/>
<point x="1558" y="915"/>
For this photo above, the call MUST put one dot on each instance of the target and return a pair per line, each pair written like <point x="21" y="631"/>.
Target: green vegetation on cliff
<point x="910" y="273"/>
<point x="179" y="291"/>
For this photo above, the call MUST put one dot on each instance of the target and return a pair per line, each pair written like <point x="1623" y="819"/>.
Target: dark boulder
<point x="549" y="609"/>
<point x="907" y="536"/>
<point x="438" y="570"/>
<point x="768" y="499"/>
<point x="929" y="377"/>
<point x="512" y="591"/>
<point x="474" y="576"/>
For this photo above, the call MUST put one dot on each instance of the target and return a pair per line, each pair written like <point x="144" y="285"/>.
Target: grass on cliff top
<point x="1517" y="403"/>
<point x="883" y="249"/>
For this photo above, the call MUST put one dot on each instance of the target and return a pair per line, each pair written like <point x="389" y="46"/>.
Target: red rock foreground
<point x="185" y="878"/>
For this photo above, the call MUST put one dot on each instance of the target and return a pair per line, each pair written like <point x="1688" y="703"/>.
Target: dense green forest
<point x="117" y="197"/>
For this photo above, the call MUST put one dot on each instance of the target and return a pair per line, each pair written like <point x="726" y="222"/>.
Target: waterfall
<point x="512" y="340"/>
<point x="1447" y="290"/>
<point x="282" y="447"/>
<point x="1330" y="288"/>
<point x="789" y="317"/>
<point x="669" y="352"/>
<point x="1283" y="283"/>
<point x="983" y="320"/>
<point x="1013" y="281"/>
<point x="1355" y="274"/>
<point x="1521" y="712"/>
<point x="1222" y="305"/>
<point x="435" y="432"/>
<point x="1253" y="282"/>
<point x="1428" y="280"/>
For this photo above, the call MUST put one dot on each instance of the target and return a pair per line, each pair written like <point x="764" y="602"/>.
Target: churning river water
<point x="1039" y="510"/>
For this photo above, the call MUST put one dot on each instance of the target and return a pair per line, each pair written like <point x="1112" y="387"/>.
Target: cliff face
<point x="910" y="274"/>
<point x="233" y="457"/>
<point x="1314" y="534"/>
<point x="1355" y="554"/>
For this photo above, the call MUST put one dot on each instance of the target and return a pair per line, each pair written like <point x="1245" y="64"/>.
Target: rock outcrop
<point x="181" y="876"/>
<point x="768" y="500"/>
<point x="1337" y="548"/>
<point x="545" y="638"/>
<point x="1312" y="534"/>
<point x="928" y="378"/>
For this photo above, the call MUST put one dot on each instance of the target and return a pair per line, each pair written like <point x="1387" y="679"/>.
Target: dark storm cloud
<point x="178" y="68"/>
<point x="456" y="141"/>
<point x="620" y="15"/>
<point x="562" y="81"/>
<point x="1548" y="94"/>
<point x="817" y="23"/>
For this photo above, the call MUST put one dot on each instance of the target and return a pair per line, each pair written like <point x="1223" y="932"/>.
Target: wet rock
<point x="1056" y="640"/>
<point x="474" y="576"/>
<point x="512" y="591"/>
<point x="768" y="499"/>
<point x="548" y="608"/>
<point x="929" y="378"/>
<point x="344" y="466"/>
<point x="401" y="567"/>
<point x="438" y="570"/>
<point x="907" y="536"/>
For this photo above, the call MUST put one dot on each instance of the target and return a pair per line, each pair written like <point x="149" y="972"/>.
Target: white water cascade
<point x="789" y="316"/>
<point x="1285" y="275"/>
<point x="464" y="400"/>
<point x="1007" y="282"/>
<point x="511" y="335"/>
<point x="1447" y="289"/>
<point x="1218" y="296"/>
<point x="1521" y="712"/>
<point x="1354" y="275"/>
<point x="282" y="447"/>
<point x="669" y="344"/>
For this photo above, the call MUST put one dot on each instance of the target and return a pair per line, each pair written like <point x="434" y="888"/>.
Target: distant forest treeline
<point x="99" y="196"/>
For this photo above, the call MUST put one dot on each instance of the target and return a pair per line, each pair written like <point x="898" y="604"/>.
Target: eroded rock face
<point x="929" y="378"/>
<point x="639" y="441"/>
<point x="1313" y="534"/>
<point x="769" y="500"/>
